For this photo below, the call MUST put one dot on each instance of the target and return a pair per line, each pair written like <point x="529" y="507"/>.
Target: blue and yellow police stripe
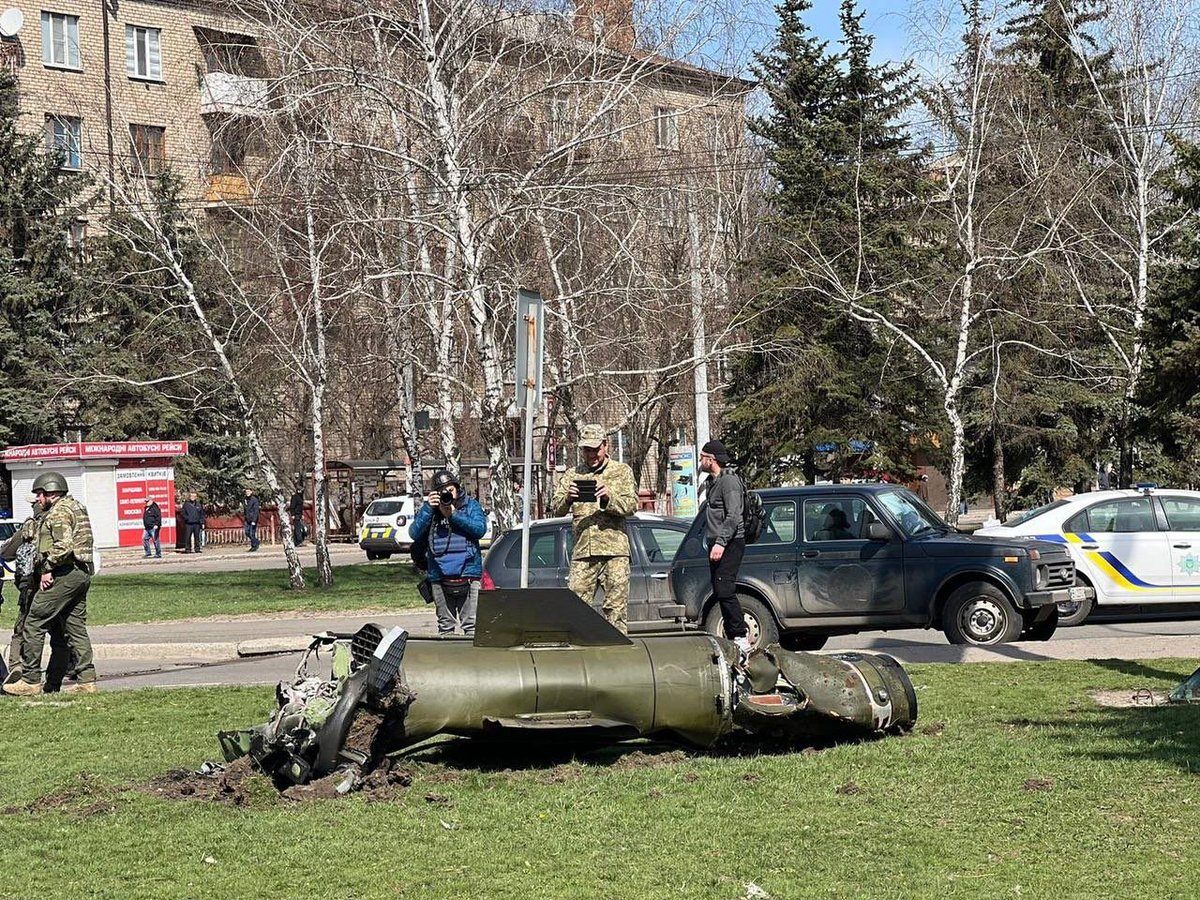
<point x="1117" y="572"/>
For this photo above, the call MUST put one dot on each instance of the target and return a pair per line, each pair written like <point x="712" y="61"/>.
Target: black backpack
<point x="419" y="552"/>
<point x="754" y="515"/>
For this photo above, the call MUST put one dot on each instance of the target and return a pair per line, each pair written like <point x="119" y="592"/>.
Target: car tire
<point x="760" y="624"/>
<point x="979" y="614"/>
<point x="383" y="556"/>
<point x="1071" y="613"/>
<point x="372" y="555"/>
<point x="803" y="642"/>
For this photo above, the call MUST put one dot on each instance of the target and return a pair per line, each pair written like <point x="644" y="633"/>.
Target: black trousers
<point x="193" y="537"/>
<point x="724" y="580"/>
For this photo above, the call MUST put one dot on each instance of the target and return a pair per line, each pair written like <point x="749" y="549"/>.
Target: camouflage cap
<point x="592" y="436"/>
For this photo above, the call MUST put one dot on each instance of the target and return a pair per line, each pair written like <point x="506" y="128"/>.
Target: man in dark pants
<point x="193" y="520"/>
<point x="296" y="508"/>
<point x="252" y="510"/>
<point x="725" y="537"/>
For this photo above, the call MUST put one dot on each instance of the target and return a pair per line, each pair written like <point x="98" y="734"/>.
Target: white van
<point x="383" y="529"/>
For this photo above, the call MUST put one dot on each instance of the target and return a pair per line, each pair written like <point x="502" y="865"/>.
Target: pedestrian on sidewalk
<point x="152" y="525"/>
<point x="296" y="508"/>
<point x="725" y="537"/>
<point x="193" y="521"/>
<point x="63" y="570"/>
<point x="453" y="524"/>
<point x="253" y="507"/>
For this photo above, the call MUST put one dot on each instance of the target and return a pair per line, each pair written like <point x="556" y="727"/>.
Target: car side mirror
<point x="877" y="531"/>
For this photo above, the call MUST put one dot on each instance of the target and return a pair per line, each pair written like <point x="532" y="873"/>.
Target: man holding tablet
<point x="600" y="495"/>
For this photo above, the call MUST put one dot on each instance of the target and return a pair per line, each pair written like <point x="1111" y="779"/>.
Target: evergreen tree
<point x="825" y="394"/>
<point x="39" y="285"/>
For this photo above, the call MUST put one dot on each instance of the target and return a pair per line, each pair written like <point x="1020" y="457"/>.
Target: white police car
<point x="1135" y="547"/>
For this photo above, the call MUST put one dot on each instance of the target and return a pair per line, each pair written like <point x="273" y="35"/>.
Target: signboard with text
<point x="682" y="462"/>
<point x="136" y="483"/>
<point x="95" y="450"/>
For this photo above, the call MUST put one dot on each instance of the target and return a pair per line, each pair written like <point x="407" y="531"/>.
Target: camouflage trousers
<point x="65" y="601"/>
<point x="610" y="573"/>
<point x="60" y="652"/>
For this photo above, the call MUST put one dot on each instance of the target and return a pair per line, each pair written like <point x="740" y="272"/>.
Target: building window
<point x="60" y="40"/>
<point x="142" y="56"/>
<point x="77" y="237"/>
<point x="230" y="146"/>
<point x="65" y="134"/>
<point x="148" y="144"/>
<point x="666" y="128"/>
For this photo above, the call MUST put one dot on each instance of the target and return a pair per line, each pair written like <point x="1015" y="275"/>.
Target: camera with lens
<point x="447" y="497"/>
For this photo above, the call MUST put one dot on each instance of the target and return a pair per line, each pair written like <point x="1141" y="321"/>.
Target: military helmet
<point x="50" y="482"/>
<point x="443" y="478"/>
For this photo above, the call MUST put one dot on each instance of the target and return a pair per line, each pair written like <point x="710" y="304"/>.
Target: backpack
<point x="754" y="516"/>
<point x="418" y="551"/>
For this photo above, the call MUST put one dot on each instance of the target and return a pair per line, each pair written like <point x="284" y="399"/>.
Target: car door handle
<point x="1090" y="546"/>
<point x="659" y="576"/>
<point x="1182" y="546"/>
<point x="811" y="554"/>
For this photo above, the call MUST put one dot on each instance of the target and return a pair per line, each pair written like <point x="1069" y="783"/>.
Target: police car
<point x="1134" y="547"/>
<point x="384" y="526"/>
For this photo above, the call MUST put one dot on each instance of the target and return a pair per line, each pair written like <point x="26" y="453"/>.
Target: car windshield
<point x="915" y="517"/>
<point x="1033" y="513"/>
<point x="384" y="507"/>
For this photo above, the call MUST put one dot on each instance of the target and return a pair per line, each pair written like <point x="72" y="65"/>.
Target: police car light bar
<point x="1145" y="486"/>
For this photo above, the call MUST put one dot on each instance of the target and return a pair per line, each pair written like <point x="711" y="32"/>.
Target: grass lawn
<point x="154" y="598"/>
<point x="1014" y="784"/>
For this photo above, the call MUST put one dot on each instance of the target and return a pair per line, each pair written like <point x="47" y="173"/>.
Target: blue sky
<point x="886" y="19"/>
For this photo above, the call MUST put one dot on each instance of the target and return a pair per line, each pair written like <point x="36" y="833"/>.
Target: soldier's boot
<point x="83" y="687"/>
<point x="14" y="675"/>
<point x="23" y="689"/>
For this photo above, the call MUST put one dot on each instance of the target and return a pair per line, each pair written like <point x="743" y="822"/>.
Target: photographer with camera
<point x="453" y="524"/>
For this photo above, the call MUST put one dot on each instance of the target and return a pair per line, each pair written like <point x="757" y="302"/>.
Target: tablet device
<point x="587" y="490"/>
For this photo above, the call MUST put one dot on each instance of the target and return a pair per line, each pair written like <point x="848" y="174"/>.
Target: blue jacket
<point x="453" y="544"/>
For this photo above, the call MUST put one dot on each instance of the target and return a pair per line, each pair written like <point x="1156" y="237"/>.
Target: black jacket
<point x="152" y="516"/>
<point x="193" y="512"/>
<point x="252" y="508"/>
<point x="297" y="505"/>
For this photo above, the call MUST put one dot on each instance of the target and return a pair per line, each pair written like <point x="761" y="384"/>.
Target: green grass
<point x="1013" y="785"/>
<point x="155" y="598"/>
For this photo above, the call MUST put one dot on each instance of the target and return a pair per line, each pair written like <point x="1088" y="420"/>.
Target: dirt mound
<point x="234" y="784"/>
<point x="88" y="788"/>
<point x="632" y="762"/>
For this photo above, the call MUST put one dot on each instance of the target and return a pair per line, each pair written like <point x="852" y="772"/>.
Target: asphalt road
<point x="1118" y="642"/>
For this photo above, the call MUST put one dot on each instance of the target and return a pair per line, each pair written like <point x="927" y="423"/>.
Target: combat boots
<point x="23" y="689"/>
<point x="83" y="687"/>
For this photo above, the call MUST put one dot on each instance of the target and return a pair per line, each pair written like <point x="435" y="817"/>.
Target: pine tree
<point x="40" y="290"/>
<point x="825" y="394"/>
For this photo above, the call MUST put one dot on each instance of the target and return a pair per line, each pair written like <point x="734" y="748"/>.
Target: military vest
<point x="65" y="535"/>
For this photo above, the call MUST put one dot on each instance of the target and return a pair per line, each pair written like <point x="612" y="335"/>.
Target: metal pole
<point x="530" y="386"/>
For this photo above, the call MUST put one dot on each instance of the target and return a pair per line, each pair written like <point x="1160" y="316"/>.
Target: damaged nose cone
<point x="545" y="667"/>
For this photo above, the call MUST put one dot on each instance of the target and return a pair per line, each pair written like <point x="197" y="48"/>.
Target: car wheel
<point x="383" y="556"/>
<point x="1043" y="630"/>
<point x="760" y="624"/>
<point x="371" y="554"/>
<point x="980" y="614"/>
<point x="803" y="642"/>
<point x="1075" y="612"/>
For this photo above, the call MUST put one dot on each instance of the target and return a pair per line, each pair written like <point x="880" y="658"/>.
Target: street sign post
<point x="530" y="344"/>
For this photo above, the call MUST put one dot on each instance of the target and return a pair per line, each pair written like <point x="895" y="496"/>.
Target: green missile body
<point x="545" y="667"/>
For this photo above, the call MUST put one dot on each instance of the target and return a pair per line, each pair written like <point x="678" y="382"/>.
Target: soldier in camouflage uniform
<point x="601" y="554"/>
<point x="63" y="569"/>
<point x="21" y="550"/>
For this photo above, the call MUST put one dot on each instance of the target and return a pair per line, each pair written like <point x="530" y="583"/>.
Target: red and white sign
<point x="96" y="450"/>
<point x="134" y="484"/>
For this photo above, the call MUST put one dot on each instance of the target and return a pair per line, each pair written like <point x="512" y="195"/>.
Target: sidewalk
<point x="219" y="557"/>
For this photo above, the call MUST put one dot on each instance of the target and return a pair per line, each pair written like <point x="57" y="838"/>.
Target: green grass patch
<point x="155" y="598"/>
<point x="1013" y="784"/>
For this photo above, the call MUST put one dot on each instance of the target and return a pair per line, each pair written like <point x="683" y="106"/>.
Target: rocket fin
<point x="541" y="617"/>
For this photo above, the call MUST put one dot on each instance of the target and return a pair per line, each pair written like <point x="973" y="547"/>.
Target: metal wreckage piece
<point x="544" y="667"/>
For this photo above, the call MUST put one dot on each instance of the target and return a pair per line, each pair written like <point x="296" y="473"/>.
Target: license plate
<point x="1079" y="593"/>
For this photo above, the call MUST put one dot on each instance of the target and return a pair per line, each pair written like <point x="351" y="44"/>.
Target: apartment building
<point x="125" y="89"/>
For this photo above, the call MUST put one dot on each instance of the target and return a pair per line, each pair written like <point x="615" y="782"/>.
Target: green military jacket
<point x="65" y="536"/>
<point x="599" y="531"/>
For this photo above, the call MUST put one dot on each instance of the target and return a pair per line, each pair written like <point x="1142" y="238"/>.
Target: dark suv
<point x="840" y="559"/>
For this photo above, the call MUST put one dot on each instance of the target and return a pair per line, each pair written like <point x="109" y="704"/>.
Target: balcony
<point x="227" y="188"/>
<point x="237" y="95"/>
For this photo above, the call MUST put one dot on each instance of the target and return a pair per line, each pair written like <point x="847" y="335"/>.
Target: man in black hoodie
<point x="152" y="523"/>
<point x="725" y="537"/>
<point x="252" y="509"/>
<point x="193" y="519"/>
